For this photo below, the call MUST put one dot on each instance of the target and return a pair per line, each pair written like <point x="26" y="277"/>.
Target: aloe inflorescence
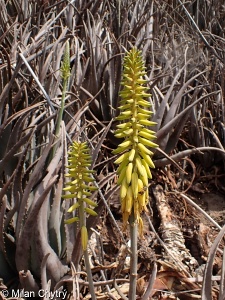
<point x="135" y="159"/>
<point x="80" y="187"/>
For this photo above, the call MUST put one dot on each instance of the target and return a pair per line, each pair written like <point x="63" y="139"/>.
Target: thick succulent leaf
<point x="30" y="185"/>
<point x="24" y="241"/>
<point x="55" y="269"/>
<point x="6" y="271"/>
<point x="10" y="155"/>
<point x="56" y="218"/>
<point x="163" y="133"/>
<point x="44" y="280"/>
<point x="28" y="282"/>
<point x="206" y="291"/>
<point x="99" y="144"/>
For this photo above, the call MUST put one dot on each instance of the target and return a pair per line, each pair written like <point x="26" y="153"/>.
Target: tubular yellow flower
<point x="135" y="158"/>
<point x="84" y="237"/>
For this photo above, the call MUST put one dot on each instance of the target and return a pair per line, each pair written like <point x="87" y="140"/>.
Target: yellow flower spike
<point x="135" y="157"/>
<point x="80" y="185"/>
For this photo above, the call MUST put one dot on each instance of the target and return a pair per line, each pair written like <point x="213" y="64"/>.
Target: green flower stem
<point x="65" y="71"/>
<point x="60" y="115"/>
<point x="133" y="257"/>
<point x="82" y="215"/>
<point x="89" y="275"/>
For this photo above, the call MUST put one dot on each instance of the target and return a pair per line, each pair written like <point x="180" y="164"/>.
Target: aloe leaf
<point x="23" y="243"/>
<point x="99" y="144"/>
<point x="44" y="280"/>
<point x="8" y="156"/>
<point x="206" y="291"/>
<point x="180" y="155"/>
<point x="177" y="100"/>
<point x="172" y="141"/>
<point x="7" y="249"/>
<point x="6" y="271"/>
<point x="55" y="219"/>
<point x="41" y="245"/>
<point x="54" y="266"/>
<point x="28" y="282"/>
<point x="38" y="82"/>
<point x="30" y="184"/>
<point x="158" y="116"/>
<point x="165" y="130"/>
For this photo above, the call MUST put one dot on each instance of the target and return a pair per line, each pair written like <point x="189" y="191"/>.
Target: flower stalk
<point x="65" y="74"/>
<point x="80" y="188"/>
<point x="135" y="157"/>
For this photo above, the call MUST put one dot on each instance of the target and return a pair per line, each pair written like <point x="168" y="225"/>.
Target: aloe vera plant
<point x="33" y="233"/>
<point x="135" y="157"/>
<point x="183" y="75"/>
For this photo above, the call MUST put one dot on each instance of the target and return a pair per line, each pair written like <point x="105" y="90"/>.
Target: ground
<point x="178" y="237"/>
